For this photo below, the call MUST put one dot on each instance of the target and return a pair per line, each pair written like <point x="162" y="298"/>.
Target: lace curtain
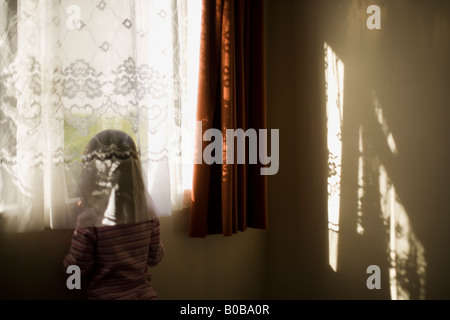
<point x="70" y="69"/>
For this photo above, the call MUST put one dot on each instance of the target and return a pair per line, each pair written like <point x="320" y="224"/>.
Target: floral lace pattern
<point x="71" y="69"/>
<point x="140" y="85"/>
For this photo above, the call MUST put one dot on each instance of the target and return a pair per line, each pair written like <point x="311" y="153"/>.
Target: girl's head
<point x="112" y="185"/>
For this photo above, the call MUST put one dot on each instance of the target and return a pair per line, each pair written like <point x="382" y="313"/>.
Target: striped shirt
<point x="116" y="260"/>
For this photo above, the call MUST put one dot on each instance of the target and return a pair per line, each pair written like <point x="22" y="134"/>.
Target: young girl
<point x="117" y="237"/>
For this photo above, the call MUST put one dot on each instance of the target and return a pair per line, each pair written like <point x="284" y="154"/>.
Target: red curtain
<point x="227" y="198"/>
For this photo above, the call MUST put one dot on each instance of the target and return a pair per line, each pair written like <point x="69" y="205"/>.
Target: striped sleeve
<point x="82" y="250"/>
<point x="156" y="249"/>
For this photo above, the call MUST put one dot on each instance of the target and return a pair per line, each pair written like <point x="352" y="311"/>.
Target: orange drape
<point x="227" y="198"/>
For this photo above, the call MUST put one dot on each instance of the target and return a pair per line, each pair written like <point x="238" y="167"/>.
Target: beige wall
<point x="31" y="266"/>
<point x="408" y="64"/>
<point x="297" y="207"/>
<point x="215" y="267"/>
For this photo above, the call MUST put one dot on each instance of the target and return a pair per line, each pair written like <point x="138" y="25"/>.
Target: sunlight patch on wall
<point x="406" y="254"/>
<point x="383" y="124"/>
<point x="334" y="87"/>
<point x="359" y="225"/>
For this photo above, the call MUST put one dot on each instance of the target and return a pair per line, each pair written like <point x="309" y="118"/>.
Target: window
<point x="84" y="66"/>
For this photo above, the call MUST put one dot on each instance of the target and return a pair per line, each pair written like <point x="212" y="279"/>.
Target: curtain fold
<point x="229" y="197"/>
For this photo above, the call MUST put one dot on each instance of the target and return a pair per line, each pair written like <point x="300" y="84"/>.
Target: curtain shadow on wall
<point x="380" y="232"/>
<point x="393" y="208"/>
